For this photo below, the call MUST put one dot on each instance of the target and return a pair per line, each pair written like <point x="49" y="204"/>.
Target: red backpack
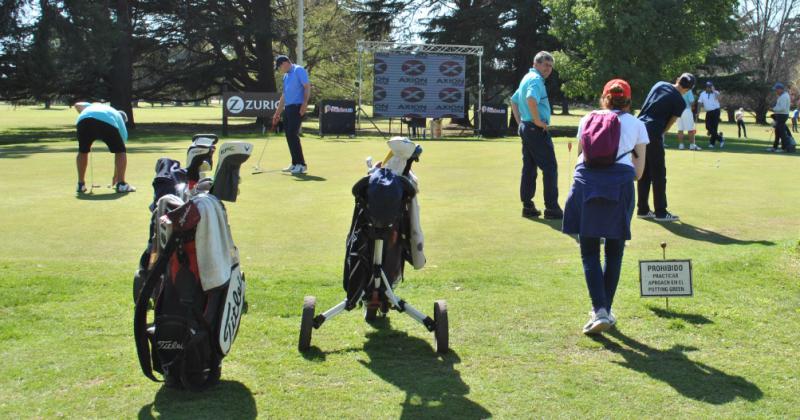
<point x="600" y="139"/>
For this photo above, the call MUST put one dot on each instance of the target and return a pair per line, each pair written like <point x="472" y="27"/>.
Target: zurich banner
<point x="419" y="85"/>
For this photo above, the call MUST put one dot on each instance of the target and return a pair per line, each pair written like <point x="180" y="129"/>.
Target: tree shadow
<point x="25" y="150"/>
<point x="37" y="134"/>
<point x="689" y="231"/>
<point x="694" y="319"/>
<point x="434" y="389"/>
<point x="228" y="399"/>
<point x="306" y="178"/>
<point x="691" y="379"/>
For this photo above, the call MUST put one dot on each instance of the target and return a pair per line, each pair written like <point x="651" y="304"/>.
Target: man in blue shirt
<point x="98" y="121"/>
<point x="531" y="110"/>
<point x="662" y="107"/>
<point x="294" y="100"/>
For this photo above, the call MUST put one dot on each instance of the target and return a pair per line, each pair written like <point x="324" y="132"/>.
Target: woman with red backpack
<point x="611" y="148"/>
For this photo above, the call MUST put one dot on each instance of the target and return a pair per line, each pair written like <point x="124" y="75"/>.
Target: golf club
<point x="258" y="169"/>
<point x="92" y="185"/>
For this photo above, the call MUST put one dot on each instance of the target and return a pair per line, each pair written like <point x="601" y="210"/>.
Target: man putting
<point x="296" y="91"/>
<point x="531" y="110"/>
<point x="101" y="122"/>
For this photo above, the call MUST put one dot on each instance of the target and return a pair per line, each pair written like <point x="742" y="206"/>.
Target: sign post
<point x="665" y="278"/>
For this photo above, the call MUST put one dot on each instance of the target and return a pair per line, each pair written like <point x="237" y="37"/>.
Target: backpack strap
<point x="142" y="303"/>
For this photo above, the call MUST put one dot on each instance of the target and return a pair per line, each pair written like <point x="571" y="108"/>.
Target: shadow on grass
<point x="554" y="224"/>
<point x="98" y="148"/>
<point x="689" y="231"/>
<point x="433" y="387"/>
<point x="112" y="195"/>
<point x="228" y="399"/>
<point x="691" y="379"/>
<point x="732" y="145"/>
<point x="695" y="319"/>
<point x="307" y="178"/>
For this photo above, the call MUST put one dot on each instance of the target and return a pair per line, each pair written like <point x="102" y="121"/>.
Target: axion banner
<point x="418" y="85"/>
<point x="250" y="104"/>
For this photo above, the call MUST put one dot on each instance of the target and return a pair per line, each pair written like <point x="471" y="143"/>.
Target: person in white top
<point x="780" y="115"/>
<point x="686" y="122"/>
<point x="600" y="205"/>
<point x="709" y="99"/>
<point x="740" y="122"/>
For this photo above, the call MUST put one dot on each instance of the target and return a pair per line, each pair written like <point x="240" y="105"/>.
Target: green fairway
<point x="515" y="289"/>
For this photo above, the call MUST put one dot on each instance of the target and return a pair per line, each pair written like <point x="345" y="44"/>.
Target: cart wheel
<point x="441" y="332"/>
<point x="307" y="322"/>
<point x="370" y="313"/>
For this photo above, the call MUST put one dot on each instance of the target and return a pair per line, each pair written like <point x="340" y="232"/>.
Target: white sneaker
<point x="299" y="169"/>
<point x="598" y="322"/>
<point x="770" y="149"/>
<point x="680" y="146"/>
<point x="710" y="146"/>
<point x="124" y="187"/>
<point x="289" y="168"/>
<point x="722" y="144"/>
<point x="694" y="147"/>
<point x="611" y="318"/>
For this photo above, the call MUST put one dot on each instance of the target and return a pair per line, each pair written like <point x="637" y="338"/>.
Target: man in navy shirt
<point x="663" y="106"/>
<point x="294" y="100"/>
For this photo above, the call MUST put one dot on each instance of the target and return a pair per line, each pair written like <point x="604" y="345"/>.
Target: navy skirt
<point x="600" y="202"/>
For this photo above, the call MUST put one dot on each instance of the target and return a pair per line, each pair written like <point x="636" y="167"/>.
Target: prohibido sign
<point x="665" y="278"/>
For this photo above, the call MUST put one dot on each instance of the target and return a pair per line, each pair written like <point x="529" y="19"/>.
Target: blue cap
<point x="280" y="60"/>
<point x="708" y="83"/>
<point x="778" y="85"/>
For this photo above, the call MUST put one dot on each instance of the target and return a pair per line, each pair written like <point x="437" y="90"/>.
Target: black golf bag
<point x="189" y="276"/>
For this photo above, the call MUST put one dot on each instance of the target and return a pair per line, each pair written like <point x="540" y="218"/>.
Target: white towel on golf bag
<point x="216" y="253"/>
<point x="402" y="149"/>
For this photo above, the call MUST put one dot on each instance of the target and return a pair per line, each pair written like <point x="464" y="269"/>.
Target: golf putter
<point x="258" y="169"/>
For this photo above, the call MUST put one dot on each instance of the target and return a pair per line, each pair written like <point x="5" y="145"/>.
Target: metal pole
<point x="300" y="30"/>
<point x="480" y="92"/>
<point x="360" y="81"/>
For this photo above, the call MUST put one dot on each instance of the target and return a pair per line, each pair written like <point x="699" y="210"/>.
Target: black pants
<point x="742" y="127"/>
<point x="794" y="124"/>
<point x="781" y="130"/>
<point x="655" y="173"/>
<point x="538" y="152"/>
<point x="293" y="120"/>
<point x="90" y="129"/>
<point x="712" y="125"/>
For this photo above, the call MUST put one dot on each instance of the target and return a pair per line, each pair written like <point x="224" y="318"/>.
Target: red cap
<point x="617" y="83"/>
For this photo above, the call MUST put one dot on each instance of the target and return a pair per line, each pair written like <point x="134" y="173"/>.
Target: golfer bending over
<point x="600" y="203"/>
<point x="102" y="122"/>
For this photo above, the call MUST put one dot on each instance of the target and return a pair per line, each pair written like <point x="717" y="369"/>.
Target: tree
<point x="642" y="41"/>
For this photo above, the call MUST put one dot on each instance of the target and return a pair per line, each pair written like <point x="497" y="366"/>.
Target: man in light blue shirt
<point x="780" y="115"/>
<point x="294" y="100"/>
<point x="531" y="110"/>
<point x="98" y="121"/>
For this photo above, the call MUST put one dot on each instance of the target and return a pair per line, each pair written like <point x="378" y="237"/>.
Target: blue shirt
<point x="293" y="81"/>
<point x="106" y="114"/>
<point x="688" y="97"/>
<point x="663" y="102"/>
<point x="532" y="86"/>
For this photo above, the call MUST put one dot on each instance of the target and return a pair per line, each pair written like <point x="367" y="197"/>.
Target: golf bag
<point x="189" y="275"/>
<point x="386" y="206"/>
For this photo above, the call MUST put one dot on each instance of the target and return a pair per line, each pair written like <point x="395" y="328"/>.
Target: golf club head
<point x="226" y="180"/>
<point x="199" y="157"/>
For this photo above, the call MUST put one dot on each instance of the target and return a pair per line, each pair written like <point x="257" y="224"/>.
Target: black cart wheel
<point x="307" y="323"/>
<point x="370" y="313"/>
<point x="441" y="332"/>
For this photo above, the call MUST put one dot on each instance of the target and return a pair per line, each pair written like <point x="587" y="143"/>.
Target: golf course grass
<point x="514" y="287"/>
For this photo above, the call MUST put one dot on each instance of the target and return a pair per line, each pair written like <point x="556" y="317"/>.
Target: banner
<point x="419" y="85"/>
<point x="337" y="117"/>
<point x="250" y="104"/>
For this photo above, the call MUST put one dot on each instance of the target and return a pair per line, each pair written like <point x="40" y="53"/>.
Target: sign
<point x="494" y="120"/>
<point x="665" y="278"/>
<point x="419" y="85"/>
<point x="250" y="104"/>
<point x="337" y="117"/>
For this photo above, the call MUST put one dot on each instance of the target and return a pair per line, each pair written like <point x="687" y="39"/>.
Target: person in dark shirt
<point x="662" y="107"/>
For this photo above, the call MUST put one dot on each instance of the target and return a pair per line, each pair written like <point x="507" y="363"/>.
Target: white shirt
<point x="632" y="132"/>
<point x="710" y="101"/>
<point x="782" y="105"/>
<point x="739" y="115"/>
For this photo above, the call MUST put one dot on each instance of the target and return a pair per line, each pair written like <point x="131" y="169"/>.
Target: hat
<point x="280" y="60"/>
<point x="687" y="80"/>
<point x="123" y="115"/>
<point x="778" y="85"/>
<point x="618" y="84"/>
<point x="709" y="84"/>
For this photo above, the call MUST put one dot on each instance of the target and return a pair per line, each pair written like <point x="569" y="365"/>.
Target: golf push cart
<point x="385" y="233"/>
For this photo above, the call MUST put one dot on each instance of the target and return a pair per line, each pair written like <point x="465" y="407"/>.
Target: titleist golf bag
<point x="189" y="275"/>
